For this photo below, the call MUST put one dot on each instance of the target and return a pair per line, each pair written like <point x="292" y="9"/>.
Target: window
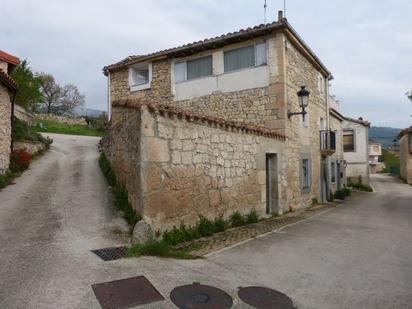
<point x="140" y="76"/>
<point x="193" y="69"/>
<point x="306" y="173"/>
<point x="333" y="172"/>
<point x="245" y="57"/>
<point x="348" y="141"/>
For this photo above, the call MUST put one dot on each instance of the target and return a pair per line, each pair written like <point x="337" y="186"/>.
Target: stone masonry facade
<point x="210" y="171"/>
<point x="405" y="155"/>
<point x="189" y="168"/>
<point x="5" y="128"/>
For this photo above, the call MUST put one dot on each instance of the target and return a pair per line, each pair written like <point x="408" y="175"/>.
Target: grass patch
<point x="360" y="187"/>
<point x="7" y="178"/>
<point x="158" y="248"/>
<point x="121" y="196"/>
<point x="50" y="126"/>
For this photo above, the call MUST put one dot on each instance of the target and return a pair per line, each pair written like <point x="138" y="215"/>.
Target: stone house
<point x="337" y="176"/>
<point x="356" y="149"/>
<point x="204" y="129"/>
<point x="375" y="152"/>
<point x="8" y="89"/>
<point x="405" y="155"/>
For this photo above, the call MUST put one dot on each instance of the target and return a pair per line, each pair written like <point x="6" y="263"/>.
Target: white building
<point x="356" y="149"/>
<point x="375" y="152"/>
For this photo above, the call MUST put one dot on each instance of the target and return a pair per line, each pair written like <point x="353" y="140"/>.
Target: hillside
<point x="384" y="135"/>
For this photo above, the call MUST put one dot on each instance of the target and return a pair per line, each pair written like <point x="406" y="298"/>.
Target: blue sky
<point x="367" y="45"/>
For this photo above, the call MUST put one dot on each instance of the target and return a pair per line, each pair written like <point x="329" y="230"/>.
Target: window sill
<point x="140" y="87"/>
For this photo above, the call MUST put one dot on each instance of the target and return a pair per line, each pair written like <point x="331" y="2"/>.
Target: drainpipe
<point x="12" y="119"/>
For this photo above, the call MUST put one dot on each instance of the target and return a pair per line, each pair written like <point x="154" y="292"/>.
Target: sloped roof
<point x="6" y="57"/>
<point x="220" y="41"/>
<point x="360" y="120"/>
<point x="8" y="81"/>
<point x="405" y="131"/>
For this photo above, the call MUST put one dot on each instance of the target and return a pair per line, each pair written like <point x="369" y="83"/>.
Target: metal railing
<point x="328" y="141"/>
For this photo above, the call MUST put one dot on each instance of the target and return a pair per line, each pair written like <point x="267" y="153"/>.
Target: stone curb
<point x="206" y="245"/>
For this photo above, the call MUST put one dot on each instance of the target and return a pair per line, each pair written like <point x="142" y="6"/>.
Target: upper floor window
<point x="245" y="57"/>
<point x="410" y="142"/>
<point x="140" y="76"/>
<point x="333" y="172"/>
<point x="192" y="69"/>
<point x="348" y="141"/>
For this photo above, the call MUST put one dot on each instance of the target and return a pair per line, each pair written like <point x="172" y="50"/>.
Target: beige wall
<point x="5" y="128"/>
<point x="406" y="159"/>
<point x="190" y="168"/>
<point x="264" y="107"/>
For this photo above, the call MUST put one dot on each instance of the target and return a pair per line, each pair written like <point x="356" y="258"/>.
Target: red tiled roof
<point x="164" y="110"/>
<point x="9" y="58"/>
<point x="8" y="81"/>
<point x="220" y="41"/>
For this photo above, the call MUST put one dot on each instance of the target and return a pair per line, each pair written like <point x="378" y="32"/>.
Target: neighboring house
<point x="203" y="129"/>
<point x="356" y="149"/>
<point x="375" y="152"/>
<point x="8" y="89"/>
<point x="405" y="155"/>
<point x="337" y="177"/>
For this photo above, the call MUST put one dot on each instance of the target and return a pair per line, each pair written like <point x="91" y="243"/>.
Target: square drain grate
<point x="111" y="254"/>
<point x="126" y="293"/>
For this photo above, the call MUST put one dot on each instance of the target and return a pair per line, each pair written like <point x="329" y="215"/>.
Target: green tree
<point x="29" y="94"/>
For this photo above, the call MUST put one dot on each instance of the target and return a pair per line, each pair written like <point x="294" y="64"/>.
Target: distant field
<point x="50" y="126"/>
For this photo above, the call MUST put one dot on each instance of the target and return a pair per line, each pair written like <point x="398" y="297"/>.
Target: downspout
<point x="12" y="119"/>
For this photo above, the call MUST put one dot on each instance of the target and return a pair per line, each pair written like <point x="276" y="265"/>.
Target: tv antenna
<point x="265" y="6"/>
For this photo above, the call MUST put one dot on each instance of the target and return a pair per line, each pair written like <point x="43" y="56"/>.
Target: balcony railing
<point x="327" y="142"/>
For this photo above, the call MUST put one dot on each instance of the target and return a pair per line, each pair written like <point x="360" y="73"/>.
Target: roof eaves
<point x="8" y="81"/>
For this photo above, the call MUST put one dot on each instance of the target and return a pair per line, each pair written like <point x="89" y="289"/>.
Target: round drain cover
<point x="264" y="298"/>
<point x="198" y="296"/>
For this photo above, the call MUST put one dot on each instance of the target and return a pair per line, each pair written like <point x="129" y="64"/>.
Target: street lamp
<point x="303" y="96"/>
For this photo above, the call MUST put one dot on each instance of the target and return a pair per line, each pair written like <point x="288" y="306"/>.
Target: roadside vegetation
<point x="166" y="247"/>
<point x="121" y="200"/>
<point x="50" y="126"/>
<point x="20" y="160"/>
<point x="392" y="162"/>
<point x="342" y="194"/>
<point x="360" y="186"/>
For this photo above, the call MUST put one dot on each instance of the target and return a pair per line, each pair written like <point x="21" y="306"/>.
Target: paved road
<point x="358" y="255"/>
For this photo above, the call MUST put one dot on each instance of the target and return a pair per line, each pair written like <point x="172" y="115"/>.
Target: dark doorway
<point x="272" y="190"/>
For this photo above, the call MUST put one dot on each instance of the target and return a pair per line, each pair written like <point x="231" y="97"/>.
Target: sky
<point x="366" y="44"/>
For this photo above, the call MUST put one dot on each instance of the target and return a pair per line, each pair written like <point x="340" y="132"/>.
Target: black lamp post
<point x="303" y="96"/>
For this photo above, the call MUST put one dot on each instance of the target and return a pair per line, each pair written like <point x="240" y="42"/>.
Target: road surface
<point x="358" y="255"/>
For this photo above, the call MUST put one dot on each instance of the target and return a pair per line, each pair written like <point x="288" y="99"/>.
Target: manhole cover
<point x="111" y="254"/>
<point x="198" y="296"/>
<point x="264" y="298"/>
<point x="126" y="293"/>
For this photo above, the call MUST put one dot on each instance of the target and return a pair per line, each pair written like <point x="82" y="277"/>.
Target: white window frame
<point x="184" y="63"/>
<point x="137" y="87"/>
<point x="255" y="53"/>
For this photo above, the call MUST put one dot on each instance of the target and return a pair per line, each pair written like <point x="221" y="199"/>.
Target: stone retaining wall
<point x="31" y="147"/>
<point x="62" y="119"/>
<point x="5" y="129"/>
<point x="190" y="168"/>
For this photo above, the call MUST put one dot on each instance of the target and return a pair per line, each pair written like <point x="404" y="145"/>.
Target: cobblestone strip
<point x="206" y="245"/>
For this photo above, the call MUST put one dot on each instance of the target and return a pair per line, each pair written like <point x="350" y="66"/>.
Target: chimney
<point x="280" y="16"/>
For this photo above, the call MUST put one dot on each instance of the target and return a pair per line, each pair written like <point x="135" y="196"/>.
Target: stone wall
<point x="303" y="141"/>
<point x="190" y="168"/>
<point x="31" y="147"/>
<point x="62" y="119"/>
<point x="22" y="114"/>
<point x="5" y="128"/>
<point x="405" y="159"/>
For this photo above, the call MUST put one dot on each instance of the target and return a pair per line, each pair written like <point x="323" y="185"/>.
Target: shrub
<point x="340" y="195"/>
<point x="19" y="160"/>
<point x="6" y="178"/>
<point x="205" y="227"/>
<point x="361" y="187"/>
<point x="346" y="191"/>
<point x="220" y="224"/>
<point x="252" y="217"/>
<point x="22" y="131"/>
<point x="236" y="219"/>
<point x="121" y="196"/>
<point x="158" y="248"/>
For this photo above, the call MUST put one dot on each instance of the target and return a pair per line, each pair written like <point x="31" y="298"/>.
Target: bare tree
<point x="59" y="99"/>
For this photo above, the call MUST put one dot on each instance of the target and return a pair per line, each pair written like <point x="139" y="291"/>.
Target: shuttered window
<point x="199" y="67"/>
<point x="306" y="174"/>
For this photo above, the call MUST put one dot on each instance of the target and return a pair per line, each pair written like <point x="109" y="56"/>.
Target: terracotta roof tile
<point x="9" y="58"/>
